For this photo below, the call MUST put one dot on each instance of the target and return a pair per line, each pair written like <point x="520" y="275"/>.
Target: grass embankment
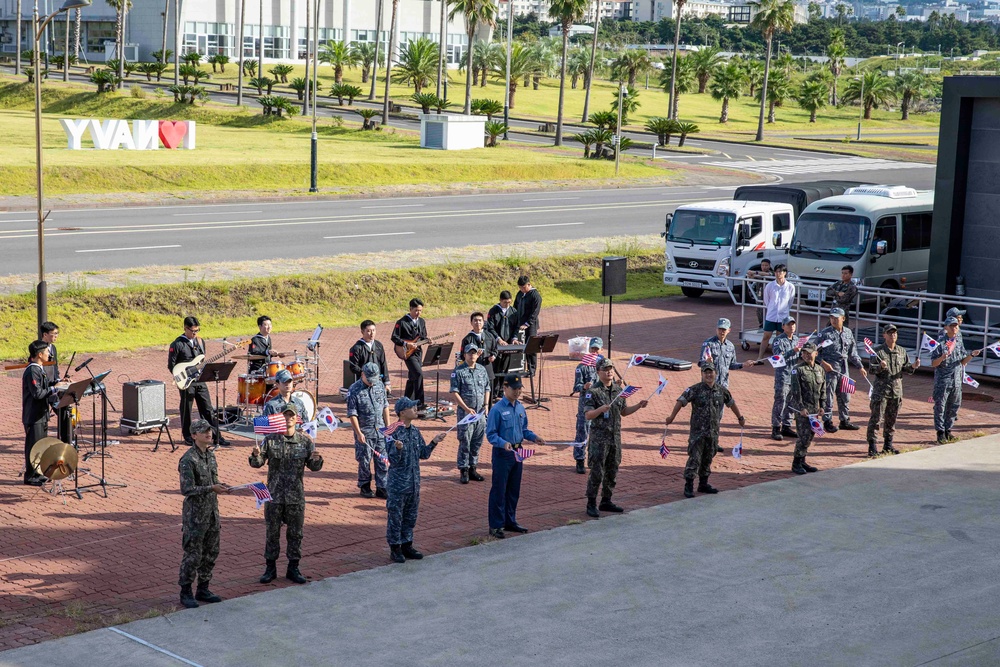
<point x="108" y="320"/>
<point x="238" y="149"/>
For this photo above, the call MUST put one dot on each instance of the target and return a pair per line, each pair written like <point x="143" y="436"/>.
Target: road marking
<point x="22" y="220"/>
<point x="554" y="224"/>
<point x="154" y="647"/>
<point x="751" y="158"/>
<point x="397" y="206"/>
<point x="728" y="157"/>
<point x="148" y="247"/>
<point x="551" y="199"/>
<point x="825" y="166"/>
<point x="181" y="215"/>
<point x="361" y="236"/>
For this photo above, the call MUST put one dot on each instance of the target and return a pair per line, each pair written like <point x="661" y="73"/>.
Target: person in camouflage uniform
<point x="368" y="411"/>
<point x="287" y="455"/>
<point x="604" y="411"/>
<point x="721" y="353"/>
<point x="844" y="292"/>
<point x="406" y="449"/>
<point x="887" y="365"/>
<point x="838" y="349"/>
<point x="948" y="361"/>
<point x="470" y="387"/>
<point x="200" y="486"/>
<point x="583" y="379"/>
<point x="806" y="398"/>
<point x="784" y="345"/>
<point x="707" y="399"/>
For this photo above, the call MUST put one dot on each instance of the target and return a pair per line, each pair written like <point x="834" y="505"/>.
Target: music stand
<point x="96" y="387"/>
<point x="217" y="372"/>
<point x="540" y="345"/>
<point x="433" y="355"/>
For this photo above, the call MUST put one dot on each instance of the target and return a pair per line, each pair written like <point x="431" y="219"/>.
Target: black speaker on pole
<point x="613" y="276"/>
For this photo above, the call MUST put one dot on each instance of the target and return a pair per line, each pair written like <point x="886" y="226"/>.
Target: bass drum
<point x="308" y="401"/>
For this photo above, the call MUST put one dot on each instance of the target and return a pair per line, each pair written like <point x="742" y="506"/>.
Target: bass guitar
<point x="186" y="372"/>
<point x="404" y="352"/>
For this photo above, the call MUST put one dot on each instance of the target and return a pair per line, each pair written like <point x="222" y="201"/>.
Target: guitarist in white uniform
<point x="185" y="348"/>
<point x="409" y="328"/>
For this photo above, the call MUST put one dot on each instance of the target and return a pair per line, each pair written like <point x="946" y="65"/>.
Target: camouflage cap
<point x="596" y="342"/>
<point x="950" y="321"/>
<point x="708" y="366"/>
<point x="605" y="363"/>
<point x="290" y="407"/>
<point x="837" y="312"/>
<point x="201" y="426"/>
<point x="404" y="403"/>
<point x="809" y="347"/>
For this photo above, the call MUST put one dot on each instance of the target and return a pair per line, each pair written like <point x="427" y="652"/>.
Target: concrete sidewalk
<point x="888" y="562"/>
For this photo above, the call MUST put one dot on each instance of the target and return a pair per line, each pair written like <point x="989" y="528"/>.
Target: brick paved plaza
<point x="68" y="565"/>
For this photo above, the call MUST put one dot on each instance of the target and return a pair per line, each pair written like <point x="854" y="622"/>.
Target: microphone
<point x="83" y="365"/>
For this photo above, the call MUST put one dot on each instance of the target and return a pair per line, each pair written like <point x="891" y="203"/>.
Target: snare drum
<point x="297" y="368"/>
<point x="250" y="390"/>
<point x="274" y="368"/>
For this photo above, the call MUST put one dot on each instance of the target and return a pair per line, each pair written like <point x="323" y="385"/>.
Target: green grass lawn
<point x="245" y="151"/>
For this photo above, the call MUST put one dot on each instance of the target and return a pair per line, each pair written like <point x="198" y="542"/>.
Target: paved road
<point x="888" y="562"/>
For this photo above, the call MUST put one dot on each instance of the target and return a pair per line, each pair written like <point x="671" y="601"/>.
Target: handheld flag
<point x="629" y="390"/>
<point x="869" y="348"/>
<point x="383" y="459"/>
<point x="590" y="359"/>
<point x="470" y="418"/>
<point x="738" y="449"/>
<point x="706" y="354"/>
<point x="661" y="384"/>
<point x="311" y="428"/>
<point x="969" y="381"/>
<point x="522" y="454"/>
<point x="928" y="343"/>
<point x="664" y="452"/>
<point x="994" y="348"/>
<point x="259" y="489"/>
<point x="803" y="340"/>
<point x="327" y="417"/>
<point x="816" y="425"/>
<point x="777" y="361"/>
<point x="636" y="360"/>
<point x="847" y="385"/>
<point x="827" y="343"/>
<point x="387" y="431"/>
<point x="950" y="344"/>
<point x="269" y="424"/>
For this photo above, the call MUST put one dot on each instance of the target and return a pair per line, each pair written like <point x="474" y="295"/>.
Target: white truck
<point x="709" y="242"/>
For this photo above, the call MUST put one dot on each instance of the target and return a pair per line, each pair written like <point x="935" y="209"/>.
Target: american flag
<point x="803" y="340"/>
<point x="816" y="425"/>
<point x="382" y="458"/>
<point x="950" y="344"/>
<point x="628" y="391"/>
<point x="390" y="429"/>
<point x="590" y="359"/>
<point x="706" y="355"/>
<point x="269" y="424"/>
<point x="636" y="360"/>
<point x="521" y="454"/>
<point x="664" y="452"/>
<point x="260" y="492"/>
<point x="869" y="348"/>
<point x="847" y="385"/>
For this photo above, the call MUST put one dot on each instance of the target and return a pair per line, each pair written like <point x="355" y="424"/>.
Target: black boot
<point x="293" y="574"/>
<point x="474" y="475"/>
<point x="776" y="434"/>
<point x="704" y="486"/>
<point x="872" y="449"/>
<point x="409" y="552"/>
<point x="608" y="506"/>
<point x="270" y="573"/>
<point x="366" y="490"/>
<point x="381" y="493"/>
<point x="887" y="448"/>
<point x="186" y="598"/>
<point x="797" y="466"/>
<point x="579" y="467"/>
<point x="949" y="437"/>
<point x="941" y="440"/>
<point x="463" y="477"/>
<point x="205" y="595"/>
<point x="689" y="488"/>
<point x="395" y="554"/>
<point x="592" y="508"/>
<point x="807" y="467"/>
<point x="829" y="427"/>
<point x="788" y="432"/>
<point x="849" y="426"/>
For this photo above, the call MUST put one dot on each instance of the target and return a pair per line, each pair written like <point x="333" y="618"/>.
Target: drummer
<point x="260" y="346"/>
<point x="284" y="384"/>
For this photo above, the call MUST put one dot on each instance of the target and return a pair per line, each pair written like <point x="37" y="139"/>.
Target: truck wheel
<point x="692" y="292"/>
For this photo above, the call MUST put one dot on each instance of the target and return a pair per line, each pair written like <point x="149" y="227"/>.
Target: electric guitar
<point x="404" y="352"/>
<point x="186" y="372"/>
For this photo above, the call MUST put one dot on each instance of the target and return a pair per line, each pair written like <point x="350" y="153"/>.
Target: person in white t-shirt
<point x="778" y="298"/>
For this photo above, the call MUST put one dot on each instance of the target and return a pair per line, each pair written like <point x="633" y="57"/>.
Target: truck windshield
<point x="702" y="227"/>
<point x="831" y="235"/>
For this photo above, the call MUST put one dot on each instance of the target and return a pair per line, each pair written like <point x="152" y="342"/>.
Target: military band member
<point x="50" y="334"/>
<point x="948" y="360"/>
<point x="807" y="397"/>
<point x="584" y="377"/>
<point x="185" y="348"/>
<point x="287" y="455"/>
<point x="405" y="451"/>
<point x="470" y="388"/>
<point x="368" y="411"/>
<point x="838" y="348"/>
<point x="260" y="345"/>
<point x="528" y="304"/>
<point x="721" y="353"/>
<point x="38" y="393"/>
<point x="708" y="399"/>
<point x="604" y="410"/>
<point x="408" y="328"/>
<point x="502" y="320"/>
<point x="201" y="526"/>
<point x="367" y="349"/>
<point x="485" y="341"/>
<point x="284" y="383"/>
<point x="887" y="366"/>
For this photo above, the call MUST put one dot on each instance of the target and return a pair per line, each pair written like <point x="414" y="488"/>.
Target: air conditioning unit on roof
<point x="889" y="191"/>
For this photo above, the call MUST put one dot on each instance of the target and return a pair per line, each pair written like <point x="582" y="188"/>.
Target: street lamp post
<point x="506" y="85"/>
<point x="618" y="137"/>
<point x="861" y="113"/>
<point x="314" y="146"/>
<point x="37" y="28"/>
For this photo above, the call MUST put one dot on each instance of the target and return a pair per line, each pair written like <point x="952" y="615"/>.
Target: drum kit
<point x="256" y="388"/>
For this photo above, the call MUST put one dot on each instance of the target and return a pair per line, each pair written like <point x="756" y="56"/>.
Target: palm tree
<point x="566" y="12"/>
<point x="630" y="64"/>
<point x="754" y="70"/>
<point x="544" y="60"/>
<point x="166" y="22"/>
<point x="910" y="86"/>
<point x="704" y="62"/>
<point x="17" y="40"/>
<point x="684" y="83"/>
<point x="521" y="66"/>
<point x="836" y="51"/>
<point x="773" y="16"/>
<point x="390" y="55"/>
<point x="813" y="96"/>
<point x="578" y="65"/>
<point x="630" y="104"/>
<point x="679" y="7"/>
<point x="338" y="55"/>
<point x="778" y="90"/>
<point x="483" y="57"/>
<point x="878" y="91"/>
<point x="727" y="84"/>
<point x="121" y="8"/>
<point x="476" y="12"/>
<point x="417" y="64"/>
<point x="364" y="55"/>
<point x="589" y="76"/>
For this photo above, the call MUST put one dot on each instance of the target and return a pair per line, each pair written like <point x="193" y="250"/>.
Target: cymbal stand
<point x="102" y="482"/>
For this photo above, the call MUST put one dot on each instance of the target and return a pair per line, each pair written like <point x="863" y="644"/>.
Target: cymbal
<point x="250" y="357"/>
<point x="58" y="461"/>
<point x="35" y="456"/>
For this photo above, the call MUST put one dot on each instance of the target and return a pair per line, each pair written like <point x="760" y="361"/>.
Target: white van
<point x="882" y="231"/>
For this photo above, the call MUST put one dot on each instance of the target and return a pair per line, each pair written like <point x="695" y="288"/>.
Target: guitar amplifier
<point x="349" y="376"/>
<point x="144" y="405"/>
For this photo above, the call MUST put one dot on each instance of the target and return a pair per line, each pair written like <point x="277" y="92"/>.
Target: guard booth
<point x="451" y="132"/>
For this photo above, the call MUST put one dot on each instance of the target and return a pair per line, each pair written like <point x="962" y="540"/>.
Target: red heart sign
<point x="172" y="132"/>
